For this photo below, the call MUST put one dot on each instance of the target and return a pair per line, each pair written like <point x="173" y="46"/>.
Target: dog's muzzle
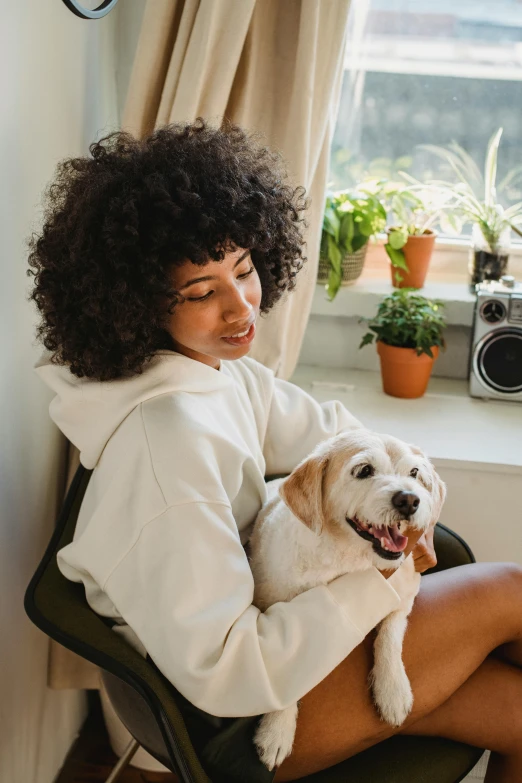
<point x="386" y="540"/>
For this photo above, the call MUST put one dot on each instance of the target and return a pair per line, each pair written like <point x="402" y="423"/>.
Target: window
<point x="429" y="72"/>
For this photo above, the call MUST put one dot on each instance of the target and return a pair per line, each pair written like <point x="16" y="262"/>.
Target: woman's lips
<point x="247" y="338"/>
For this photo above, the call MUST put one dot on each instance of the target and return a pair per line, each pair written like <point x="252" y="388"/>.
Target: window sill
<point x="447" y="280"/>
<point x="363" y="297"/>
<point x="481" y="431"/>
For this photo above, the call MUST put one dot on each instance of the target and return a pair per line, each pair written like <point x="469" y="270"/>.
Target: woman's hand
<point x="421" y="545"/>
<point x="424" y="555"/>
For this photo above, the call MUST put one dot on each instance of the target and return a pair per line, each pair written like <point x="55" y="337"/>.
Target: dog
<point x="346" y="507"/>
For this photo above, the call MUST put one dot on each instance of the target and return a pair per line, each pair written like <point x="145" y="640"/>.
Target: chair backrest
<point x="58" y="607"/>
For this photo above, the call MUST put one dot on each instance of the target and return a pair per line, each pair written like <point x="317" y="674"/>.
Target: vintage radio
<point x="496" y="346"/>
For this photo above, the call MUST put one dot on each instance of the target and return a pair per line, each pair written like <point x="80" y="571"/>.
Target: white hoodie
<point x="180" y="453"/>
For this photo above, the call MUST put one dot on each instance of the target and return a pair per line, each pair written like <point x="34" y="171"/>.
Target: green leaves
<point x="334" y="283"/>
<point x="367" y="339"/>
<point x="397" y="238"/>
<point x="334" y="273"/>
<point x="475" y="194"/>
<point x="347" y="231"/>
<point x="407" y="320"/>
<point x="397" y="257"/>
<point x="351" y="217"/>
<point x="331" y="222"/>
<point x="490" y="169"/>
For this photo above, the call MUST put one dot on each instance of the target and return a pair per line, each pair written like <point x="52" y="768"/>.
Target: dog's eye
<point x="413" y="472"/>
<point x="363" y="471"/>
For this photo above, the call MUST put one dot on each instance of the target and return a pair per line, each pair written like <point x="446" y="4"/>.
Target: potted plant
<point x="408" y="330"/>
<point x="411" y="238"/>
<point x="351" y="217"/>
<point x="475" y="198"/>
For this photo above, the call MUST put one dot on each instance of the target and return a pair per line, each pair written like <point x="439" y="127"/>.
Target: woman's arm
<point x="185" y="588"/>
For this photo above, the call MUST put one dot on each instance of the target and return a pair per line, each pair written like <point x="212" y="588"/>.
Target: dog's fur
<point x="302" y="538"/>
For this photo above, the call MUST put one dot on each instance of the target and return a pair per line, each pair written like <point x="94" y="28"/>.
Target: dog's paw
<point x="392" y="695"/>
<point x="274" y="737"/>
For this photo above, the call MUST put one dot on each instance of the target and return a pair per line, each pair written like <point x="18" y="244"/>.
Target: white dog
<point x="346" y="507"/>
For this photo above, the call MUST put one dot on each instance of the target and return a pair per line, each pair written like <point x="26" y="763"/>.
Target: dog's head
<point x="366" y="490"/>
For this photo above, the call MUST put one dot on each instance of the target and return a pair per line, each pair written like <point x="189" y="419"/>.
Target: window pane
<point x="429" y="72"/>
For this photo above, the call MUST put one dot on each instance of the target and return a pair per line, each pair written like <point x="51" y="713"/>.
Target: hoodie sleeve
<point x="297" y="423"/>
<point x="186" y="589"/>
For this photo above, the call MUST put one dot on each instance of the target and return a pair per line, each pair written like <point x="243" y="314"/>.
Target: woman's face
<point x="221" y="301"/>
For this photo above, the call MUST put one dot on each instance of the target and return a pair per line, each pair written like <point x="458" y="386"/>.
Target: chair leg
<point x="124" y="760"/>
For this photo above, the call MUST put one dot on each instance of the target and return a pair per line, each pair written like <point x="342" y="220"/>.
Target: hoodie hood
<point x="88" y="411"/>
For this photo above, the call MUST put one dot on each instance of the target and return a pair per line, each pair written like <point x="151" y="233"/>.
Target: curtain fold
<point x="269" y="66"/>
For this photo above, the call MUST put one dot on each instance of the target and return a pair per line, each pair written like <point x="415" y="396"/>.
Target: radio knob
<point x="493" y="311"/>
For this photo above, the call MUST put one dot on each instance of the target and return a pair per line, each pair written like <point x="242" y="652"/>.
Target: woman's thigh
<point x="458" y="618"/>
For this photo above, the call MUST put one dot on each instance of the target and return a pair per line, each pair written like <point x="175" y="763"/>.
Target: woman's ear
<point x="302" y="492"/>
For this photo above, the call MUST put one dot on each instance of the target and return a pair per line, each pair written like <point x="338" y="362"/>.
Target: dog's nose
<point x="406" y="502"/>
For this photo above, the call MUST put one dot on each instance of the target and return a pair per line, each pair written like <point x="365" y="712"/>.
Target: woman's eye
<point x="202" y="298"/>
<point x="413" y="472"/>
<point x="366" y="471"/>
<point x="199" y="298"/>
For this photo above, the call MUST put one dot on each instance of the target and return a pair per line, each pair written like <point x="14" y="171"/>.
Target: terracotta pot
<point x="417" y="252"/>
<point x="404" y="374"/>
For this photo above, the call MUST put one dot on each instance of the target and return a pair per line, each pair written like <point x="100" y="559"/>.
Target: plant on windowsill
<point x="411" y="238"/>
<point x="408" y="331"/>
<point x="351" y="217"/>
<point x="476" y="201"/>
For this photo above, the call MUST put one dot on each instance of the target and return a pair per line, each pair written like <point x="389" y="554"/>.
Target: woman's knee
<point x="502" y="590"/>
<point x="465" y="613"/>
<point x="493" y="589"/>
<point x="505" y="569"/>
<point x="512" y="593"/>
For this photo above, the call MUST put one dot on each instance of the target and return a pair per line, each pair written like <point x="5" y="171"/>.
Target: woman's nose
<point x="237" y="306"/>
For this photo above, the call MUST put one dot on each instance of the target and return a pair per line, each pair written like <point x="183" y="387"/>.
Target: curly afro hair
<point x="116" y="223"/>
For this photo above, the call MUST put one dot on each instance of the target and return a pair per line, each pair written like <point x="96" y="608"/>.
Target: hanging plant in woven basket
<point x="350" y="219"/>
<point x="351" y="266"/>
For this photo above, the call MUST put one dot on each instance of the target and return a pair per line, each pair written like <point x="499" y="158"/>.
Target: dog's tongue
<point x="394" y="540"/>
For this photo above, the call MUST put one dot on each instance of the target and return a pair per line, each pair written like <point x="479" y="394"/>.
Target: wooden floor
<point x="91" y="759"/>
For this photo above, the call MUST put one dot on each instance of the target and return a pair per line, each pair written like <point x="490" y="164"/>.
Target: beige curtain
<point x="273" y="66"/>
<point x="270" y="66"/>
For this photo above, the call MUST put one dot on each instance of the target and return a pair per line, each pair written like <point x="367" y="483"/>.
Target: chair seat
<point x="404" y="759"/>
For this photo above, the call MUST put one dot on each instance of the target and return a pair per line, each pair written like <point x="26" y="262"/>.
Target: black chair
<point x="148" y="704"/>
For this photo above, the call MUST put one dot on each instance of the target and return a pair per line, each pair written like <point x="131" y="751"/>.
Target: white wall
<point x="128" y="24"/>
<point x="333" y="341"/>
<point x="57" y="93"/>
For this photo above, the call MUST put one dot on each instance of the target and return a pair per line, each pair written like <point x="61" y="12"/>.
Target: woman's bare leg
<point x="485" y="711"/>
<point x="459" y="617"/>
<point x="510" y="652"/>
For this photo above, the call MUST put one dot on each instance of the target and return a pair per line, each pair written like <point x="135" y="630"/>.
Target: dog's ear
<point x="302" y="492"/>
<point x="438" y="494"/>
<point x="438" y="487"/>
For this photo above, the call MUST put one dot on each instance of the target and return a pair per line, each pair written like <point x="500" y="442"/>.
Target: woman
<point x="155" y="261"/>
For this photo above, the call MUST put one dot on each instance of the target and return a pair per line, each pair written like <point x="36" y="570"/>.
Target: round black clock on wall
<point x="84" y="13"/>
